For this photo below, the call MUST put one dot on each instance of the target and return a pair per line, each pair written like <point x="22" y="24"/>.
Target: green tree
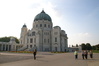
<point x="76" y="45"/>
<point x="4" y="39"/>
<point x="93" y="47"/>
<point x="83" y="46"/>
<point x="16" y="39"/>
<point x="97" y="47"/>
<point x="72" y="45"/>
<point x="7" y="39"/>
<point x="88" y="46"/>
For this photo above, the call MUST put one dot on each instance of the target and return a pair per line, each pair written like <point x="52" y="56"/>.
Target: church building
<point x="43" y="36"/>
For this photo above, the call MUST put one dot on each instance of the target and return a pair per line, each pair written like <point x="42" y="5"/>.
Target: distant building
<point x="72" y="49"/>
<point x="9" y="46"/>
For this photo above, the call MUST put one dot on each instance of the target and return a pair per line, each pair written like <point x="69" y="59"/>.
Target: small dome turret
<point x="24" y="25"/>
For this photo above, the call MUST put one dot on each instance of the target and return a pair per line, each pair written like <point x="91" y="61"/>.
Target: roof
<point x="42" y="16"/>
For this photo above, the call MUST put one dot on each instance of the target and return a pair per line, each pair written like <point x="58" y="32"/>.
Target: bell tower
<point x="23" y="34"/>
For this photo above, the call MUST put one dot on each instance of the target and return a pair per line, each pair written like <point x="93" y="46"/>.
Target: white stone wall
<point x="64" y="41"/>
<point x="36" y="24"/>
<point x="9" y="46"/>
<point x="45" y="37"/>
<point x="44" y="32"/>
<point x="23" y="35"/>
<point x="56" y="34"/>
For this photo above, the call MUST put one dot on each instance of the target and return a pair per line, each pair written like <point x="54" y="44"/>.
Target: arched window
<point x="48" y="26"/>
<point x="30" y="46"/>
<point x="44" y="25"/>
<point x="55" y="39"/>
<point x="31" y="40"/>
<point x="40" y="25"/>
<point x="33" y="33"/>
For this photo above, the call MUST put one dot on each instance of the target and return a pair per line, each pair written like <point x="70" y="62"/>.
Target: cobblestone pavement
<point x="46" y="59"/>
<point x="10" y="58"/>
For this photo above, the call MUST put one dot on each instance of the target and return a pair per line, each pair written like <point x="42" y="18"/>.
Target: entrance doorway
<point x="56" y="49"/>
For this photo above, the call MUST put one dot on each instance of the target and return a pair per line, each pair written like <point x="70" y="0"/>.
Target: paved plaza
<point x="46" y="59"/>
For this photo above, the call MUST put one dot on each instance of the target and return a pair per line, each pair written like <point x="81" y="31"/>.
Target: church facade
<point x="43" y="36"/>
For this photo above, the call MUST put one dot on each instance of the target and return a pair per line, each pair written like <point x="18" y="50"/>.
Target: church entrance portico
<point x="56" y="49"/>
<point x="5" y="47"/>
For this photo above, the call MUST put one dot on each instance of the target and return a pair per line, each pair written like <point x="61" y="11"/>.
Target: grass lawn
<point x="95" y="51"/>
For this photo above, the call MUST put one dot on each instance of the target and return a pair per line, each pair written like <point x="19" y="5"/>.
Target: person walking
<point x="91" y="54"/>
<point x="76" y="54"/>
<point x="83" y="54"/>
<point x="34" y="53"/>
<point x="86" y="54"/>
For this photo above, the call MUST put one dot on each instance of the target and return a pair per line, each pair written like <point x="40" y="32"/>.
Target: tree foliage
<point x="76" y="45"/>
<point x="83" y="46"/>
<point x="95" y="47"/>
<point x="86" y="46"/>
<point x="7" y="39"/>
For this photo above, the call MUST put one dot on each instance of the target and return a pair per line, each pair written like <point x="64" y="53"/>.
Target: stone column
<point x="5" y="47"/>
<point x="1" y="47"/>
<point x="8" y="48"/>
<point x="14" y="48"/>
<point x="11" y="47"/>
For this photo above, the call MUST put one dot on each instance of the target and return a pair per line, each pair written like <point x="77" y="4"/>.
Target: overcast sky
<point x="79" y="18"/>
